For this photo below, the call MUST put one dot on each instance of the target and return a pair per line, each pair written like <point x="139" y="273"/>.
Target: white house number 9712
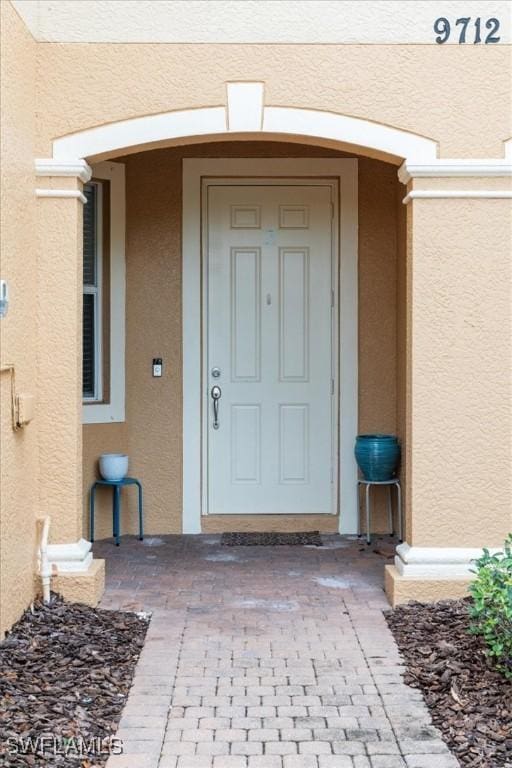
<point x="469" y="30"/>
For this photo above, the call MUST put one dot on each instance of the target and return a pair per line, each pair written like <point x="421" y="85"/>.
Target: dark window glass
<point x="89" y="368"/>
<point x="90" y="235"/>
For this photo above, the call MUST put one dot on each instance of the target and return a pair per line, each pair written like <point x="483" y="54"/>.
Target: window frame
<point x="97" y="291"/>
<point x="95" y="411"/>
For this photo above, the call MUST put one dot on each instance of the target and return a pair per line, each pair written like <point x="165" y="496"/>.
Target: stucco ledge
<point x="404" y="589"/>
<point x="85" y="587"/>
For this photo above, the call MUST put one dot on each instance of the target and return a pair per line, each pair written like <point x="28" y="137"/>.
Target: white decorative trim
<point x="72" y="193"/>
<point x="140" y="131"/>
<point x="70" y="558"/>
<point x="78" y="169"/>
<point x="245" y="106"/>
<point x="193" y="171"/>
<point x="454" y="168"/>
<point x="277" y="121"/>
<point x="114" y="411"/>
<point x="444" y="194"/>
<point x="437" y="562"/>
<point x="349" y="130"/>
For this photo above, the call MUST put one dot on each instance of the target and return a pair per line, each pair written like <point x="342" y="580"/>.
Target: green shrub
<point x="491" y="608"/>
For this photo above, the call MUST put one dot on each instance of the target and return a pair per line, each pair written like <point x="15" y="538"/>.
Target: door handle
<point x="216" y="393"/>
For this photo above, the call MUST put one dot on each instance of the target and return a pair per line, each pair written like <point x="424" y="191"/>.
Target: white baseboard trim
<point x="437" y="562"/>
<point x="70" y="558"/>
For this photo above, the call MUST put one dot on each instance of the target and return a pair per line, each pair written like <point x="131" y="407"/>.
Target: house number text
<point x="469" y="30"/>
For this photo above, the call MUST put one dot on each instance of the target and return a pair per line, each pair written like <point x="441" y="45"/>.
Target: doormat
<point x="253" y="539"/>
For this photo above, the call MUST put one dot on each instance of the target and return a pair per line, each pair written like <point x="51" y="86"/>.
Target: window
<point x="103" y="366"/>
<point x="92" y="363"/>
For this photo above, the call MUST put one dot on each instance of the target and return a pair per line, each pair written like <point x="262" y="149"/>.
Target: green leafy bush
<point x="491" y="609"/>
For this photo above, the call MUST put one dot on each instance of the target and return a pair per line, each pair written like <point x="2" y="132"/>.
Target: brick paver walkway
<point x="265" y="657"/>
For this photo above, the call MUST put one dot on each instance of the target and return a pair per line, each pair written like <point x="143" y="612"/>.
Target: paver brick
<point x="431" y="761"/>
<point x="296" y="734"/>
<point x="194" y="761"/>
<point x="178" y="748"/>
<point x="230" y="761"/>
<point x="281" y="748"/>
<point x="387" y="761"/>
<point x="300" y="761"/>
<point x="247" y="748"/>
<point x="263" y="734"/>
<point x="265" y="761"/>
<point x="315" y="747"/>
<point x="261" y="711"/>
<point x="430" y="746"/>
<point x="212" y="748"/>
<point x="382" y="748"/>
<point x="335" y="761"/>
<point x="348" y="748"/>
<point x="197" y="734"/>
<point x="182" y="724"/>
<point x="230" y="734"/>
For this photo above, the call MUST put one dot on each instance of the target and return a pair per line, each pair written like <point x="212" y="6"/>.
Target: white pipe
<point x="44" y="564"/>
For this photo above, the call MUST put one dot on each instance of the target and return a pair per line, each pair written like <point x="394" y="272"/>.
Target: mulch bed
<point x="65" y="673"/>
<point x="470" y="702"/>
<point x="239" y="539"/>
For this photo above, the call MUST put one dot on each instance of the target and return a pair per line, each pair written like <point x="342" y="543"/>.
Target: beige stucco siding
<point x="152" y="434"/>
<point x="434" y="91"/>
<point x="460" y="367"/>
<point x="19" y="464"/>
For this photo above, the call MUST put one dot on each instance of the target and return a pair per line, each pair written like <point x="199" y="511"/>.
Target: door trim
<point x="344" y="171"/>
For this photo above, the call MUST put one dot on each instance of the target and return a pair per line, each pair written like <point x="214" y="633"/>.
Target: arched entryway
<point x="246" y="119"/>
<point x="164" y="261"/>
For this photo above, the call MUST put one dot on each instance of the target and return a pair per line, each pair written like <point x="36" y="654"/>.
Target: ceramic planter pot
<point x="377" y="456"/>
<point x="113" y="466"/>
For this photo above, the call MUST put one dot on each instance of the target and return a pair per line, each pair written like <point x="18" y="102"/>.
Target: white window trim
<point x="345" y="170"/>
<point x="113" y="411"/>
<point x="97" y="290"/>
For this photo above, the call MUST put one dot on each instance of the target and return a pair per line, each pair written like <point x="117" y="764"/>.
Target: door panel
<point x="268" y="309"/>
<point x="293" y="314"/>
<point x="245" y="314"/>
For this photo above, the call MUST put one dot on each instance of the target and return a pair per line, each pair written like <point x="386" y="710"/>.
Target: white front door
<point x="269" y="312"/>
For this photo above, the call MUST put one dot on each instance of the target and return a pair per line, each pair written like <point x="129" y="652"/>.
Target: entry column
<point x="59" y="413"/>
<point x="459" y="358"/>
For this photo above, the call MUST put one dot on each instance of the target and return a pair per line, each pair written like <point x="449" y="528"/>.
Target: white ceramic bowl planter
<point x="113" y="466"/>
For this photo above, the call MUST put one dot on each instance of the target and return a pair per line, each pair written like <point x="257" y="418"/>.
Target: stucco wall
<point x="152" y="434"/>
<point x="460" y="368"/>
<point x="82" y="85"/>
<point x="19" y="462"/>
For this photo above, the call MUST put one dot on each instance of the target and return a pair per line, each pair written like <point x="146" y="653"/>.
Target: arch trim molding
<point x="244" y="114"/>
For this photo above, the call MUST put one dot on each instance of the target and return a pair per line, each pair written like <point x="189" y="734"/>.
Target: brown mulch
<point x="470" y="702"/>
<point x="65" y="673"/>
<point x="271" y="539"/>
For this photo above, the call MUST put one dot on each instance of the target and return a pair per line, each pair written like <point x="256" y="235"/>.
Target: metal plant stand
<point x="390" y="483"/>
